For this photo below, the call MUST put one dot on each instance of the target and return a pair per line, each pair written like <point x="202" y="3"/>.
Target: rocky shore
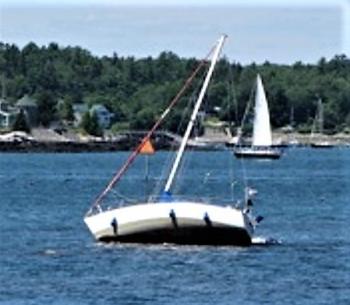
<point x="44" y="140"/>
<point x="57" y="147"/>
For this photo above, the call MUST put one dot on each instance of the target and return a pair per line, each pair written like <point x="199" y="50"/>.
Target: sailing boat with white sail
<point x="262" y="137"/>
<point x="171" y="221"/>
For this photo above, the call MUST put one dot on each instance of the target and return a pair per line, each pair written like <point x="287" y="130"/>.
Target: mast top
<point x="186" y="136"/>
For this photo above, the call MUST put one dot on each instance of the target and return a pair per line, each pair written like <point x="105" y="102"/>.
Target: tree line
<point x="136" y="90"/>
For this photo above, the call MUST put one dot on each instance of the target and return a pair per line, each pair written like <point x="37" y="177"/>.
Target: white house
<point x="104" y="116"/>
<point x="79" y="110"/>
<point x="8" y="114"/>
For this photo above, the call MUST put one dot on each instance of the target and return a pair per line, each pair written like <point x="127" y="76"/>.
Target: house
<point x="8" y="114"/>
<point x="104" y="116"/>
<point x="30" y="109"/>
<point x="79" y="110"/>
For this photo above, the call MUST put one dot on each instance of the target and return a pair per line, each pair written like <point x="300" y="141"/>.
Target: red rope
<point x="134" y="154"/>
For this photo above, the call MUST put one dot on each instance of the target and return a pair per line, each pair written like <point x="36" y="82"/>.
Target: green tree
<point x="143" y="120"/>
<point x="128" y="85"/>
<point x="90" y="124"/>
<point x="95" y="128"/>
<point x="47" y="108"/>
<point x="85" y="122"/>
<point x="21" y="123"/>
<point x="66" y="111"/>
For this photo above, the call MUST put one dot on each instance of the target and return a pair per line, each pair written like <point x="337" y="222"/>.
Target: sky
<point x="266" y="30"/>
<point x="303" y="3"/>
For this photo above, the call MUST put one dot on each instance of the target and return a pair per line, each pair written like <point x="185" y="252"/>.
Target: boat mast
<point x="317" y="126"/>
<point x="194" y="114"/>
<point x="135" y="153"/>
<point x="320" y="116"/>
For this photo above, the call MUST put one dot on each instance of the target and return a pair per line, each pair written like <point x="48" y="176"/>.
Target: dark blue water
<point x="47" y="256"/>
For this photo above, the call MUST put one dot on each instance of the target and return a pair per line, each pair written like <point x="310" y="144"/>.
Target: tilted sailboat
<point x="171" y="221"/>
<point x="262" y="138"/>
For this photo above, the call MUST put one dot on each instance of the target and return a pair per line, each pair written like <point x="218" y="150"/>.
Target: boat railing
<point x="193" y="198"/>
<point x="158" y="199"/>
<point x="124" y="201"/>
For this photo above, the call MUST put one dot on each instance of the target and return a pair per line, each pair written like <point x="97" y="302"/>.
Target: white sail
<point x="261" y="129"/>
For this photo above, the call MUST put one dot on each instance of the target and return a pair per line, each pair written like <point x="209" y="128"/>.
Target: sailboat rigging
<point x="317" y="138"/>
<point x="262" y="137"/>
<point x="169" y="220"/>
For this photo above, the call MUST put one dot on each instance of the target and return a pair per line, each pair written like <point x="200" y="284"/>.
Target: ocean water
<point x="47" y="255"/>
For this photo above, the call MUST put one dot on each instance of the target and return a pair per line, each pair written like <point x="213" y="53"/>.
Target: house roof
<point x="99" y="108"/>
<point x="26" y="101"/>
<point x="2" y="100"/>
<point x="6" y="109"/>
<point x="80" y="108"/>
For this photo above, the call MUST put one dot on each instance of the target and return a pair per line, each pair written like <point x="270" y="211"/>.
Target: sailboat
<point x="262" y="138"/>
<point x="317" y="138"/>
<point x="169" y="220"/>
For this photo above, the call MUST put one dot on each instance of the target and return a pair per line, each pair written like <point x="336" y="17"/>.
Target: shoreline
<point x="118" y="146"/>
<point x="34" y="146"/>
<point x="24" y="143"/>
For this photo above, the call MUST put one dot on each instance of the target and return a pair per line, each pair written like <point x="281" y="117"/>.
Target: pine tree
<point x="66" y="111"/>
<point x="21" y="123"/>
<point x="85" y="122"/>
<point x="90" y="124"/>
<point x="95" y="128"/>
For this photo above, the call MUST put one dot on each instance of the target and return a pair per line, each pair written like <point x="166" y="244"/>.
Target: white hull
<point x="324" y="144"/>
<point x="261" y="153"/>
<point x="172" y="222"/>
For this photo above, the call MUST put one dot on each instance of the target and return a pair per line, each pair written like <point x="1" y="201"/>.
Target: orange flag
<point x="147" y="148"/>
